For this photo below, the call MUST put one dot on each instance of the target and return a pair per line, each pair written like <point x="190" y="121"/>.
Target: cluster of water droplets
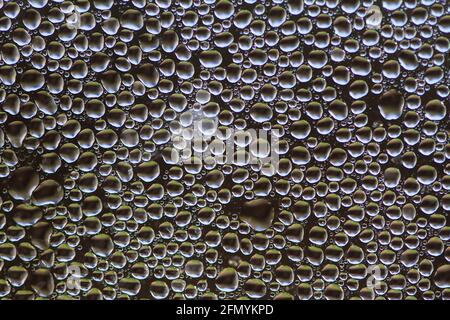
<point x="92" y="204"/>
